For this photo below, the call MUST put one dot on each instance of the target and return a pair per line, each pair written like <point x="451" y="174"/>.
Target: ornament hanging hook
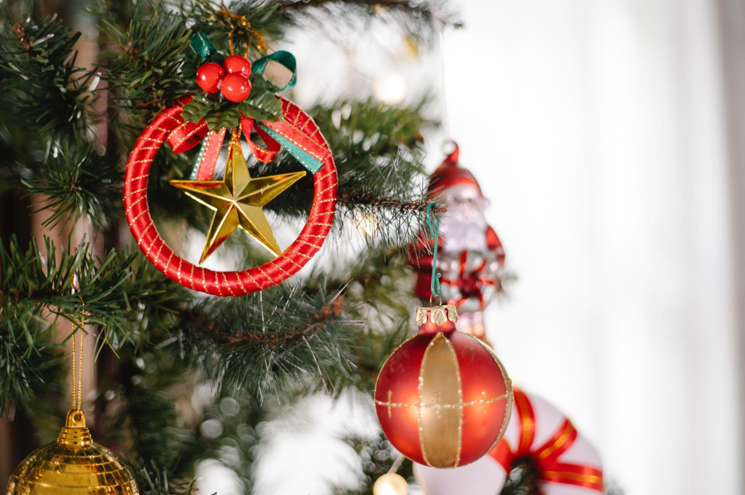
<point x="434" y="233"/>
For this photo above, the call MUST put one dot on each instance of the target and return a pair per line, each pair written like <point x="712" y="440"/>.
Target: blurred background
<point x="609" y="136"/>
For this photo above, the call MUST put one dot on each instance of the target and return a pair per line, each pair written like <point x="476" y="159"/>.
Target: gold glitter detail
<point x="134" y="203"/>
<point x="157" y="256"/>
<point x="300" y="254"/>
<point x="279" y="268"/>
<point x="225" y="278"/>
<point x="130" y="193"/>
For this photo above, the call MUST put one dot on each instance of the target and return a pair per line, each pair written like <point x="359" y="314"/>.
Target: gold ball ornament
<point x="73" y="465"/>
<point x="391" y="484"/>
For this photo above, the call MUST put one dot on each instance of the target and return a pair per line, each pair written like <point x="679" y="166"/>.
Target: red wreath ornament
<point x="297" y="130"/>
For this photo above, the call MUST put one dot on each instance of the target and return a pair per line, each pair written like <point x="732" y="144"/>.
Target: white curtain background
<point x="608" y="135"/>
<point x="598" y="130"/>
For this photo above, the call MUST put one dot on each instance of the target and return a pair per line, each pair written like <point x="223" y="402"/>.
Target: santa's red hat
<point x="450" y="174"/>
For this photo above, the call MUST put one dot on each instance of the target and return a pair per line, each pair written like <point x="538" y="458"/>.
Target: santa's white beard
<point x="464" y="230"/>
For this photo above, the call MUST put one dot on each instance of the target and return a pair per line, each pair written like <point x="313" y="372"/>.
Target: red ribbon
<point x="546" y="456"/>
<point x="189" y="134"/>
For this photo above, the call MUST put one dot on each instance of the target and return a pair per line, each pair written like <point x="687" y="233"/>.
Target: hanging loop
<point x="434" y="233"/>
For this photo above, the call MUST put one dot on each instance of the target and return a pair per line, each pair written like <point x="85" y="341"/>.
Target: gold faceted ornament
<point x="73" y="465"/>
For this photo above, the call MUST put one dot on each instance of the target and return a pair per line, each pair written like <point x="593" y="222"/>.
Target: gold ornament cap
<point x="436" y="314"/>
<point x="75" y="435"/>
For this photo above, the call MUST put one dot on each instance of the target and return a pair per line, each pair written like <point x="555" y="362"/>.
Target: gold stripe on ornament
<point x="440" y="429"/>
<point x="478" y="402"/>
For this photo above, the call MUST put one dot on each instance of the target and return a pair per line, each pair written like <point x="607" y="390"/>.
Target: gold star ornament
<point x="237" y="200"/>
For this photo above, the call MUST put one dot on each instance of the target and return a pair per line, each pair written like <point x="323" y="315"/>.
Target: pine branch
<point x="77" y="181"/>
<point x="154" y="480"/>
<point x="42" y="87"/>
<point x="377" y="458"/>
<point x="118" y="296"/>
<point x="143" y="65"/>
<point x="418" y="19"/>
<point x="269" y="341"/>
<point x="388" y="203"/>
<point x="372" y="201"/>
<point x="32" y="366"/>
<point x="523" y="479"/>
<point x="378" y="154"/>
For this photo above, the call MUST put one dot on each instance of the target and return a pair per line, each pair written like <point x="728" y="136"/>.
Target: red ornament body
<point x="209" y="77"/>
<point x="443" y="398"/>
<point x="236" y="87"/>
<point x="237" y="64"/>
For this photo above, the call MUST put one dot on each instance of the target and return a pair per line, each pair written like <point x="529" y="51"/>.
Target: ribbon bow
<point x="546" y="456"/>
<point x="275" y="135"/>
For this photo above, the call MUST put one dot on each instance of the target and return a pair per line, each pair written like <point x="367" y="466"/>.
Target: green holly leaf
<point x="196" y="109"/>
<point x="260" y="105"/>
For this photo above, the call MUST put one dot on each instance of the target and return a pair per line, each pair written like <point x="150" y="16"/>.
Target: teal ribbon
<point x="201" y="45"/>
<point x="307" y="160"/>
<point x="286" y="59"/>
<point x="434" y="233"/>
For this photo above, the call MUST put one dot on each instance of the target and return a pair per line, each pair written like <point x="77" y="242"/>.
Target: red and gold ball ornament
<point x="236" y="199"/>
<point x="443" y="398"/>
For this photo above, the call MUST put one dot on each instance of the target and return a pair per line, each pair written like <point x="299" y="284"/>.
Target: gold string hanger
<point x="237" y="21"/>
<point x="77" y="366"/>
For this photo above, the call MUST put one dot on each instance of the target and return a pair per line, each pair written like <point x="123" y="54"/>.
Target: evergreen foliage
<point x="65" y="133"/>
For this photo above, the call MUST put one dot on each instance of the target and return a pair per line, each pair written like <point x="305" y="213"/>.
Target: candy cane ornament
<point x="566" y="462"/>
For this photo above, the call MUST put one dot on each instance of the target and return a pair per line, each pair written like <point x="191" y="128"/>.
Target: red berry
<point x="236" y="64"/>
<point x="209" y="77"/>
<point x="236" y="87"/>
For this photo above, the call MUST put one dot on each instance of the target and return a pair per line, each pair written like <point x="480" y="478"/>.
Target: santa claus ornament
<point x="471" y="257"/>
<point x="539" y="436"/>
<point x="443" y="398"/>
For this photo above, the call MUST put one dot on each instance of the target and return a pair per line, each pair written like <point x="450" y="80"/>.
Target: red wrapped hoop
<point x="170" y="126"/>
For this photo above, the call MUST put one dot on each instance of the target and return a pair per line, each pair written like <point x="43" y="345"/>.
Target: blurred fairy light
<point x="367" y="224"/>
<point x="390" y="88"/>
<point x="391" y="484"/>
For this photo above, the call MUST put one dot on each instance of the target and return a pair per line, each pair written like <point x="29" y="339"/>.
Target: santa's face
<point x="463" y="227"/>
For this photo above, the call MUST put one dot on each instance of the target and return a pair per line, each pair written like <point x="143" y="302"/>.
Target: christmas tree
<point x="72" y="109"/>
<point x="116" y="181"/>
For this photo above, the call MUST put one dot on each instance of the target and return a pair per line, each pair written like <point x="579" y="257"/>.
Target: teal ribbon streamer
<point x="307" y="160"/>
<point x="434" y="233"/>
<point x="201" y="45"/>
<point x="286" y="59"/>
